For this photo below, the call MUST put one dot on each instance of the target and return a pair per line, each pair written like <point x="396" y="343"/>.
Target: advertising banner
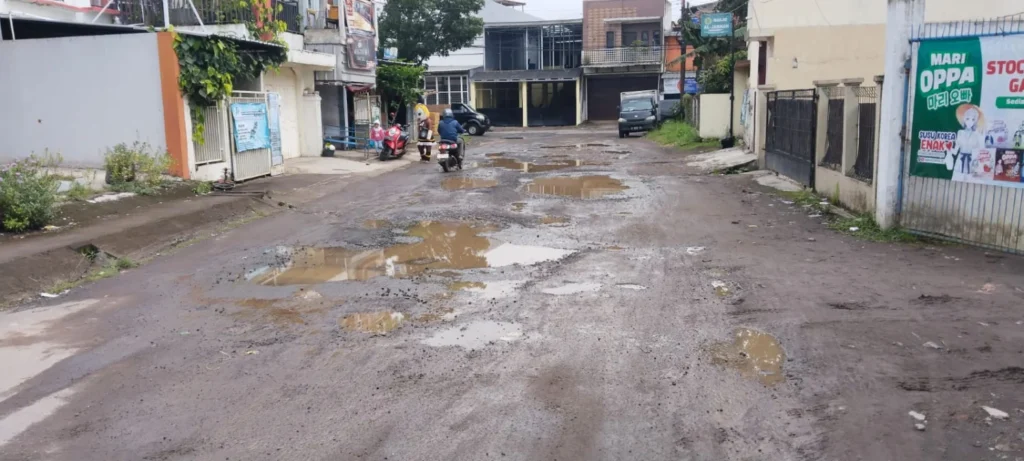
<point x="274" y="121"/>
<point x="359" y="17"/>
<point x="968" y="119"/>
<point x="250" y="126"/>
<point x="716" y="24"/>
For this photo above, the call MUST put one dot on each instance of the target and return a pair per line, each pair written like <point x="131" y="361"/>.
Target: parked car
<point x="474" y="122"/>
<point x="638" y="111"/>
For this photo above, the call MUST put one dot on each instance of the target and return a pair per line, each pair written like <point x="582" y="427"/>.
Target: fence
<point x="834" y="121"/>
<point x="251" y="163"/>
<point x="790" y="134"/>
<point x="216" y="136"/>
<point x="864" y="165"/>
<point x="631" y="55"/>
<point x="150" y="12"/>
<point x="961" y="173"/>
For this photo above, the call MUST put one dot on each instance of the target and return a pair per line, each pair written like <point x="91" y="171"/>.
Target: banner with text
<point x="969" y="110"/>
<point x="250" y="126"/>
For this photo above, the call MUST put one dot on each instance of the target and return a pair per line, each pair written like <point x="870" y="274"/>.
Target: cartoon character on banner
<point x="424" y="131"/>
<point x="969" y="140"/>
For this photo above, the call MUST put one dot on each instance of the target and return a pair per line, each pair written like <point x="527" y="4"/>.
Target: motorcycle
<point x="395" y="142"/>
<point x="449" y="153"/>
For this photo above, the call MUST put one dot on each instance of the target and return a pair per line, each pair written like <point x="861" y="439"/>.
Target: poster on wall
<point x="274" y="122"/>
<point x="362" y="53"/>
<point x="359" y="17"/>
<point x="969" y="111"/>
<point x="250" y="125"/>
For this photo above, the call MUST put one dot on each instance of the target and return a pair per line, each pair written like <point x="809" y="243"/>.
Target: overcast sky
<point x="571" y="9"/>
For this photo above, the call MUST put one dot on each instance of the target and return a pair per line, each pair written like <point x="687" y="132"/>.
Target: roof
<point x="634" y="20"/>
<point x="450" y="69"/>
<point x="528" y="75"/>
<point x="542" y="22"/>
<point x="493" y="13"/>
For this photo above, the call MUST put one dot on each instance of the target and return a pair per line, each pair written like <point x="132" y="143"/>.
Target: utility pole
<point x="904" y="16"/>
<point x="683" y="20"/>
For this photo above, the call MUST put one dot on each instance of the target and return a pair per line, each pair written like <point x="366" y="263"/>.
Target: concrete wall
<point x="765" y="18"/>
<point x="118" y="98"/>
<point x="714" y="115"/>
<point x="596" y="11"/>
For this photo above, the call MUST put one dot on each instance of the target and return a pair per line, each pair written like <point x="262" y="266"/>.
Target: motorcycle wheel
<point x="384" y="154"/>
<point x="444" y="166"/>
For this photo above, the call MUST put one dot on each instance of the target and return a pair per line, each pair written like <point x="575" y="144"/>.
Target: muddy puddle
<point x="585" y="187"/>
<point x="280" y="311"/>
<point x="476" y="335"/>
<point x="466" y="286"/>
<point x="376" y="224"/>
<point x="549" y="220"/>
<point x="527" y="167"/>
<point x="518" y="206"/>
<point x="572" y="289"/>
<point x="756" y="354"/>
<point x="459" y="183"/>
<point x="372" y="322"/>
<point x="442" y="246"/>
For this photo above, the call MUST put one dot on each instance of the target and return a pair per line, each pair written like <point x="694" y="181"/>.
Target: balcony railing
<point x="211" y="12"/>
<point x="624" y="56"/>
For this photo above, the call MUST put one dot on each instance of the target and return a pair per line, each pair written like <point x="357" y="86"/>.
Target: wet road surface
<point x="569" y="296"/>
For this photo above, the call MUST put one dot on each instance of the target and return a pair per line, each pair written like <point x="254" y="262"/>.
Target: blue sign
<point x="250" y="125"/>
<point x="391" y="53"/>
<point x="695" y="20"/>
<point x="690" y="86"/>
<point x="274" y="119"/>
<point x="716" y="25"/>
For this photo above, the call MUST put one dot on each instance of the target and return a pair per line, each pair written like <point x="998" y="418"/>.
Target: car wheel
<point x="622" y="134"/>
<point x="473" y="129"/>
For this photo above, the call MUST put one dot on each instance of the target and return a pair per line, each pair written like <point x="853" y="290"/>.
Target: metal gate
<point x="790" y="134"/>
<point x="251" y="163"/>
<point x="961" y="171"/>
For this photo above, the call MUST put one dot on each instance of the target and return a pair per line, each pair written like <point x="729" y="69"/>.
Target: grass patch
<point x="867" y="229"/>
<point x="807" y="199"/>
<point x="678" y="134"/>
<point x="203" y="188"/>
<point x="79" y="192"/>
<point x="111" y="269"/>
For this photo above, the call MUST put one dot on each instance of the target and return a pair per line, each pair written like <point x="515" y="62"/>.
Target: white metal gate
<point x="251" y="163"/>
<point x="216" y="136"/>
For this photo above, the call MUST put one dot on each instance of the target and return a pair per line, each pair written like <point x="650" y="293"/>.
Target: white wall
<point x="114" y="96"/>
<point x="67" y="10"/>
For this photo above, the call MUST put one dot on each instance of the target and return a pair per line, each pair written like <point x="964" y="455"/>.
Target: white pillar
<point x="344" y="115"/>
<point x="903" y="16"/>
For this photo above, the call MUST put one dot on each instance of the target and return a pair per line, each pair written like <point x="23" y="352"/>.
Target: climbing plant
<point x="209" y="66"/>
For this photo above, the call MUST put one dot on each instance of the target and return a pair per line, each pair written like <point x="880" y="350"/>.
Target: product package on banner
<point x="250" y="126"/>
<point x="969" y="110"/>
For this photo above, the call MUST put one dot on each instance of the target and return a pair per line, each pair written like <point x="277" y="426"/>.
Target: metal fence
<point x="251" y="163"/>
<point x="864" y="165"/>
<point x="216" y="136"/>
<point x="790" y="134"/>
<point x="834" y="121"/>
<point x="982" y="214"/>
<point x="630" y="55"/>
<point x="207" y="12"/>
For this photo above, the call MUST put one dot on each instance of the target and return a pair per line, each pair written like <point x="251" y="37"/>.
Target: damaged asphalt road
<point x="571" y="296"/>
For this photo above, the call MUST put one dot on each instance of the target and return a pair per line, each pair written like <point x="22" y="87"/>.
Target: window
<point x="643" y="38"/>
<point x="609" y="39"/>
<point x="444" y="90"/>
<point x="628" y="38"/>
<point x="657" y="38"/>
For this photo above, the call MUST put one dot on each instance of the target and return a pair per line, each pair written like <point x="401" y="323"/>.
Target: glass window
<point x="657" y="38"/>
<point x="643" y="38"/>
<point x="609" y="39"/>
<point x="631" y="105"/>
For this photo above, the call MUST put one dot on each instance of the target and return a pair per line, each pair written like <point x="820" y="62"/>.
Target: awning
<point x="555" y="75"/>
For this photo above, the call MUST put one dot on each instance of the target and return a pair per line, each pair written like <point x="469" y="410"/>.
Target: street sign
<point x="690" y="86"/>
<point x="716" y="25"/>
<point x="391" y="53"/>
<point x="695" y="20"/>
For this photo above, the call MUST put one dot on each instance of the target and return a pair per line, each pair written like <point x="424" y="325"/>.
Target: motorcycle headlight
<point x="650" y="119"/>
<point x="392" y="132"/>
<point x="622" y="120"/>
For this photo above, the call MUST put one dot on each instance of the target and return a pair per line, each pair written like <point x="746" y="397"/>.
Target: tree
<point x="708" y="51"/>
<point x="424" y="28"/>
<point x="399" y="83"/>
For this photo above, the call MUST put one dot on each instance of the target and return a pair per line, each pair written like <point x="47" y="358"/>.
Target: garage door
<point x="603" y="94"/>
<point x="282" y="82"/>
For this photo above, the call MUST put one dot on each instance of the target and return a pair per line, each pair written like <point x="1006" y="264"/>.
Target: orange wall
<point x="672" y="53"/>
<point x="174" y="109"/>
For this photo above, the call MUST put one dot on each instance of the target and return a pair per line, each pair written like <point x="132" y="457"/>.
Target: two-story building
<point x="623" y="50"/>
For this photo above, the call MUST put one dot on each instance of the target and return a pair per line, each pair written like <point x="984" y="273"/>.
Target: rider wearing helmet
<point x="449" y="129"/>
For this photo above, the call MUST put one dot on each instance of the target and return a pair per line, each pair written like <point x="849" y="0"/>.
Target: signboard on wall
<point x="690" y="86"/>
<point x="716" y="25"/>
<point x="968" y="119"/>
<point x="362" y="53"/>
<point x="359" y="16"/>
<point x="671" y="84"/>
<point x="274" y="123"/>
<point x="391" y="53"/>
<point x="249" y="121"/>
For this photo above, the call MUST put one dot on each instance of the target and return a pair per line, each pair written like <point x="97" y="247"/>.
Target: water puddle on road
<point x="442" y="246"/>
<point x="527" y="167"/>
<point x="476" y="335"/>
<point x="756" y="354"/>
<point x="466" y="286"/>
<point x="518" y="206"/>
<point x="379" y="323"/>
<point x="572" y="289"/>
<point x="494" y="155"/>
<point x="585" y="187"/>
<point x="549" y="220"/>
<point x="459" y="183"/>
<point x="376" y="224"/>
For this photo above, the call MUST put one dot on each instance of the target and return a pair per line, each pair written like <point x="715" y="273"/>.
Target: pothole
<point x="372" y="322"/>
<point x="459" y="183"/>
<point x="442" y="246"/>
<point x="518" y="206"/>
<point x="476" y="335"/>
<point x="756" y="354"/>
<point x="527" y="167"/>
<point x="572" y="289"/>
<point x="376" y="224"/>
<point x="584" y="187"/>
<point x="549" y="220"/>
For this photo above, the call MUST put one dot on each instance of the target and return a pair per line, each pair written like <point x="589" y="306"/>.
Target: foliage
<point x="27" y="195"/>
<point x="209" y="67"/>
<point x="707" y="51"/>
<point x="424" y="28"/>
<point x="868" y="229"/>
<point x="400" y="83"/>
<point x="678" y="134"/>
<point x="78" y="192"/>
<point x="203" y="188"/>
<point x="136" y="169"/>
<point x="716" y="78"/>
<point x="265" y="26"/>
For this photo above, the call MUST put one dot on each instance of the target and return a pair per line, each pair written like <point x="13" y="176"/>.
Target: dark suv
<point x="474" y="122"/>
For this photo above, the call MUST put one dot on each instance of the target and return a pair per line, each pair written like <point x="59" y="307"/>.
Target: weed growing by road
<point x="137" y="168"/>
<point x="681" y="135"/>
<point x="27" y="195"/>
<point x="203" y="188"/>
<point x="868" y="229"/>
<point x="110" y="269"/>
<point x="78" y="192"/>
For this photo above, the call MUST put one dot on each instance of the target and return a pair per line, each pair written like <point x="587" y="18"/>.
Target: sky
<point x="572" y="9"/>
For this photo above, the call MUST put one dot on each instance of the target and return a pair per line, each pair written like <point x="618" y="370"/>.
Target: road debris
<point x="932" y="345"/>
<point x="916" y="415"/>
<point x="919" y="426"/>
<point x="693" y="251"/>
<point x="854" y="229"/>
<point x="49" y="295"/>
<point x="252" y="352"/>
<point x="995" y="412"/>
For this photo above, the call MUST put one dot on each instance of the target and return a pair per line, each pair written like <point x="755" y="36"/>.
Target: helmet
<point x="448" y="113"/>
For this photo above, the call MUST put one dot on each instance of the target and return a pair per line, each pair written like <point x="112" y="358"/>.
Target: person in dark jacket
<point x="449" y="130"/>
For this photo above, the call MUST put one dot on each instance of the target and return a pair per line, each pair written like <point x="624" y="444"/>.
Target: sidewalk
<point x="140" y="227"/>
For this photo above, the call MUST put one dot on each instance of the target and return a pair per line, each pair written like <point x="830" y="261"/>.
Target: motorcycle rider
<point x="449" y="130"/>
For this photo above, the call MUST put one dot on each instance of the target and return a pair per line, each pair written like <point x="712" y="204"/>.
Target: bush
<point x="137" y="169"/>
<point x="27" y="195"/>
<point x="679" y="134"/>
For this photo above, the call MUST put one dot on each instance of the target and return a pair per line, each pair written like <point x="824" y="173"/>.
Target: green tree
<point x="708" y="51"/>
<point x="399" y="83"/>
<point x="424" y="28"/>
